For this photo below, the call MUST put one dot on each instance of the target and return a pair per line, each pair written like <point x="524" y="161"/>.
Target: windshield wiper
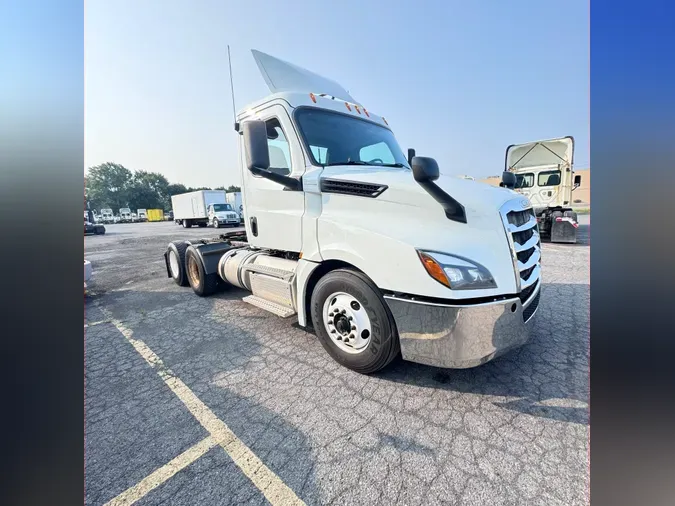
<point x="350" y="162"/>
<point x="393" y="165"/>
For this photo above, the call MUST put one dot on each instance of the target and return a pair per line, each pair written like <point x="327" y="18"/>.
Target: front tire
<point x="353" y="322"/>
<point x="216" y="223"/>
<point x="202" y="284"/>
<point x="187" y="224"/>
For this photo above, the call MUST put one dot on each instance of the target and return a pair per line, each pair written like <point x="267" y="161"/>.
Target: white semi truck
<point x="125" y="215"/>
<point x="376" y="252"/>
<point x="544" y="174"/>
<point x="202" y="208"/>
<point x="107" y="216"/>
<point x="142" y="214"/>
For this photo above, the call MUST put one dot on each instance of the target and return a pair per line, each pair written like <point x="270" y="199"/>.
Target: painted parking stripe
<point x="156" y="478"/>
<point x="271" y="486"/>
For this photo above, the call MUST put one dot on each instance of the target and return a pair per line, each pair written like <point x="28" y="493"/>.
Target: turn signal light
<point x="434" y="269"/>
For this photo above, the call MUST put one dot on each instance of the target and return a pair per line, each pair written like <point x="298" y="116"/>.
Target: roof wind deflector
<point x="283" y="76"/>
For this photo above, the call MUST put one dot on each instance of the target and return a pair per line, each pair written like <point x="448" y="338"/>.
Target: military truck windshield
<point x="222" y="207"/>
<point x="333" y="138"/>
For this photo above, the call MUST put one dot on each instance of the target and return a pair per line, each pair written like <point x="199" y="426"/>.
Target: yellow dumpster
<point x="155" y="215"/>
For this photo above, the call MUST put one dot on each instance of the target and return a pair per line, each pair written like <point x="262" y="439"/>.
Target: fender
<point x="209" y="254"/>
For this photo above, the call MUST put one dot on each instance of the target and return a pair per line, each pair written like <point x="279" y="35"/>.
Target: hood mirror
<point x="508" y="180"/>
<point x="424" y="169"/>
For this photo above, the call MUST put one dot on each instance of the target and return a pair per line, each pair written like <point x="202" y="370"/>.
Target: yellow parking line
<point x="156" y="478"/>
<point x="271" y="486"/>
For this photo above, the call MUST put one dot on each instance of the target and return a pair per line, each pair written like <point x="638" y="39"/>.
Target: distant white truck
<point x="202" y="208"/>
<point x="142" y="214"/>
<point x="234" y="199"/>
<point x="545" y="175"/>
<point x="125" y="215"/>
<point x="107" y="216"/>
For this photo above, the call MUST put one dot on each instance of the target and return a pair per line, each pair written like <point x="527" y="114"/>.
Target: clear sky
<point x="458" y="81"/>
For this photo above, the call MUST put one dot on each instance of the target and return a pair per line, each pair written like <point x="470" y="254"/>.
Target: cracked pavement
<point x="513" y="431"/>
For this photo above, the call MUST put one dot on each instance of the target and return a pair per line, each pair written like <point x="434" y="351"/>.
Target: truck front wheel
<point x="187" y="223"/>
<point x="353" y="322"/>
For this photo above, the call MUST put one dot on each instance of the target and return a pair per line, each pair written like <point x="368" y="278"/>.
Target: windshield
<point x="125" y="210"/>
<point x="333" y="138"/>
<point x="106" y="211"/>
<point x="222" y="207"/>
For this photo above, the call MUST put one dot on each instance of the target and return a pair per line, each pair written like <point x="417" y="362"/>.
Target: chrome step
<point x="272" y="307"/>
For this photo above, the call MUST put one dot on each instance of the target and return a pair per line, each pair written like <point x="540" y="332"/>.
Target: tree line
<point x="111" y="185"/>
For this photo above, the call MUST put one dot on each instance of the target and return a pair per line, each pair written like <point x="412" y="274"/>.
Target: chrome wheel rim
<point x="347" y="322"/>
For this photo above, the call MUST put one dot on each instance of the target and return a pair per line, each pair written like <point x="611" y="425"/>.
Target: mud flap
<point x="564" y="230"/>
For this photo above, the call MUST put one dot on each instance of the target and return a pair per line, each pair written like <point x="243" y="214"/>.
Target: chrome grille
<point x="522" y="231"/>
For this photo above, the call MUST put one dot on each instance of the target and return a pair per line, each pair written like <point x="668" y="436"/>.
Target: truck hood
<point x="283" y="76"/>
<point x="479" y="199"/>
<point x="540" y="154"/>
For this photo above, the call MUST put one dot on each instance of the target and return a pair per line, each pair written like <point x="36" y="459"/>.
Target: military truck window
<point x="525" y="180"/>
<point x="549" y="178"/>
<point x="279" y="149"/>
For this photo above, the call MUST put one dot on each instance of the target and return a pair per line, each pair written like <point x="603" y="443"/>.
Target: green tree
<point x="108" y="185"/>
<point x="148" y="190"/>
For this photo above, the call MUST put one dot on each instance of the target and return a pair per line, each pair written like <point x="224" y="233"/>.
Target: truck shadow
<point x="208" y="344"/>
<point x="548" y="377"/>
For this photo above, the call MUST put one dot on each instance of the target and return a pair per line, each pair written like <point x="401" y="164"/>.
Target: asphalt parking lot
<point x="213" y="401"/>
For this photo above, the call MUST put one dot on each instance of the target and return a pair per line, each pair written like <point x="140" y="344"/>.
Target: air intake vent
<point x="352" y="188"/>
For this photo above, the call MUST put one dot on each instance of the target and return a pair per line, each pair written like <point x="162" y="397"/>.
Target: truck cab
<point x="142" y="214"/>
<point x="107" y="215"/>
<point x="125" y="215"/>
<point x="544" y="174"/>
<point x="222" y="215"/>
<point x="376" y="251"/>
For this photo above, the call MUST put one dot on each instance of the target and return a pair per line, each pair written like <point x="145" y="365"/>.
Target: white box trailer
<point x="192" y="208"/>
<point x="234" y="199"/>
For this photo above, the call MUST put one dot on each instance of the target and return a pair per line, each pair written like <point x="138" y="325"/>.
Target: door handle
<point x="254" y="226"/>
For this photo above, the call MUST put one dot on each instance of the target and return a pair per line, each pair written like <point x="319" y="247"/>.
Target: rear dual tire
<point x="202" y="284"/>
<point x="176" y="259"/>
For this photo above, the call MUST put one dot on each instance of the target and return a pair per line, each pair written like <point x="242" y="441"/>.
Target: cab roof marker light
<point x="311" y="95"/>
<point x="357" y="108"/>
<point x="364" y="110"/>
<point x="348" y="107"/>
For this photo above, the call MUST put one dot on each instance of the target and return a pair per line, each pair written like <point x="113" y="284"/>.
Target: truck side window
<point x="549" y="178"/>
<point x="525" y="180"/>
<point x="379" y="151"/>
<point x="279" y="149"/>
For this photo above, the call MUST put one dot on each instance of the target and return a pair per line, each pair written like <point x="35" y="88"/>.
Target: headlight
<point x="455" y="272"/>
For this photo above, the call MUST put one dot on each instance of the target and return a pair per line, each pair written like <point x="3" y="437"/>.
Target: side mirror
<point x="508" y="180"/>
<point x="577" y="182"/>
<point x="255" y="145"/>
<point x="411" y="155"/>
<point x="424" y="169"/>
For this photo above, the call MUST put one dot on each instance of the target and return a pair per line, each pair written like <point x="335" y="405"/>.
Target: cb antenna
<point x="234" y="110"/>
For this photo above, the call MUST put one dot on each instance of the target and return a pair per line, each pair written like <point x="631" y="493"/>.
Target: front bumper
<point x="228" y="221"/>
<point x="459" y="337"/>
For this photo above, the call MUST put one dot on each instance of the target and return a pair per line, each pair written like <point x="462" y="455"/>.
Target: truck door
<point x="273" y="214"/>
